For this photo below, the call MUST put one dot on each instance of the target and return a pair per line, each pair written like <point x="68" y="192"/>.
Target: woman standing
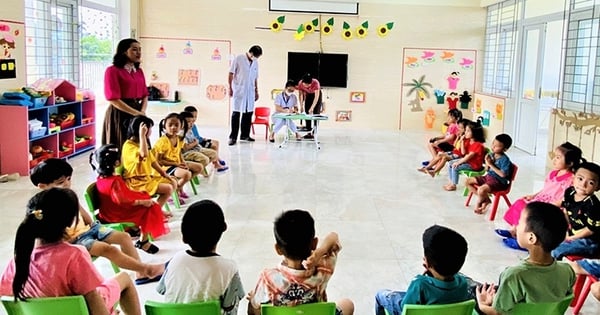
<point x="126" y="91"/>
<point x="310" y="98"/>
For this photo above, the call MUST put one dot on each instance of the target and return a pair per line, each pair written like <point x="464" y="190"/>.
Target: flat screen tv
<point x="330" y="69"/>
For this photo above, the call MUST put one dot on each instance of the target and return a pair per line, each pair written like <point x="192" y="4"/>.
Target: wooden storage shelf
<point x="15" y="141"/>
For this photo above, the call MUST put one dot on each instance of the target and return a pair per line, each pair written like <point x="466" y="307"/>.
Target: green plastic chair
<point x="91" y="199"/>
<point x="470" y="173"/>
<point x="555" y="308"/>
<point x="202" y="308"/>
<point x="320" y="308"/>
<point x="460" y="308"/>
<point x="46" y="306"/>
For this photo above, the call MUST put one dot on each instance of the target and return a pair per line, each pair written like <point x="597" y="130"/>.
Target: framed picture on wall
<point x="358" y="97"/>
<point x="343" y="115"/>
<point x="275" y="92"/>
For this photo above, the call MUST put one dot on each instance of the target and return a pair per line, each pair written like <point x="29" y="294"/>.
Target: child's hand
<point x="488" y="160"/>
<point x="485" y="294"/>
<point x="182" y="165"/>
<point x="146" y="203"/>
<point x="143" y="131"/>
<point x="250" y="295"/>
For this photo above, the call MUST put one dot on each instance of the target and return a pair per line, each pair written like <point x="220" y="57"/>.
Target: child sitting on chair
<point x="445" y="251"/>
<point x="305" y="270"/>
<point x="498" y="174"/>
<point x="285" y="102"/>
<point x="193" y="149"/>
<point x="199" y="273"/>
<point x="203" y="142"/>
<point x="434" y="165"/>
<point x="445" y="143"/>
<point x="539" y="278"/>
<point x="473" y="152"/>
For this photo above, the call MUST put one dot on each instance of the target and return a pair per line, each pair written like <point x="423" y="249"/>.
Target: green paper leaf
<point x="300" y="28"/>
<point x="346" y="25"/>
<point x="330" y="21"/>
<point x="281" y="19"/>
<point x="390" y="25"/>
<point x="315" y="22"/>
<point x="365" y="24"/>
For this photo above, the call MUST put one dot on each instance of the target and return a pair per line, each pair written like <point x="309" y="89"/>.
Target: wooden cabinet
<point x="63" y="140"/>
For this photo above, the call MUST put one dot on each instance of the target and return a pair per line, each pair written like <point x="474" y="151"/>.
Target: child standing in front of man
<point x="97" y="239"/>
<point x="582" y="208"/>
<point x="285" y="102"/>
<point x="200" y="273"/>
<point x="539" y="278"/>
<point x="44" y="265"/>
<point x="498" y="175"/>
<point x="445" y="251"/>
<point x="303" y="274"/>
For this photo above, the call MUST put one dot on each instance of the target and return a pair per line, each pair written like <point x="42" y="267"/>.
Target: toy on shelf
<point x="64" y="120"/>
<point x="82" y="141"/>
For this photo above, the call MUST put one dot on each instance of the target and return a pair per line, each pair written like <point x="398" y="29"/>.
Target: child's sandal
<point x="150" y="249"/>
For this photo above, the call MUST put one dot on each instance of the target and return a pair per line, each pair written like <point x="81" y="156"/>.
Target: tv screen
<point x="330" y="69"/>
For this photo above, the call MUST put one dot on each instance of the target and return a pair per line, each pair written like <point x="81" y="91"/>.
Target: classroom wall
<point x="375" y="64"/>
<point x="583" y="130"/>
<point x="12" y="17"/>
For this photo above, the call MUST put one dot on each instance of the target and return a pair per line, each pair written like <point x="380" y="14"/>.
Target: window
<point x="500" y="46"/>
<point x="581" y="83"/>
<point x="52" y="40"/>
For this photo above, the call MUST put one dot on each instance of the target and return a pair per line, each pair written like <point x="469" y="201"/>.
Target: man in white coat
<point x="243" y="87"/>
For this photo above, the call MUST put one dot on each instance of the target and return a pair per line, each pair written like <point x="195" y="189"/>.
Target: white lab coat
<point x="245" y="74"/>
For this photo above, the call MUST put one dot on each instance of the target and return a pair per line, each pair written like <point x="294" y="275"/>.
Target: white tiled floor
<point x="361" y="184"/>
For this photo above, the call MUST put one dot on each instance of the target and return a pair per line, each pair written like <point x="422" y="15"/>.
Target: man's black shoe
<point x="231" y="142"/>
<point x="249" y="139"/>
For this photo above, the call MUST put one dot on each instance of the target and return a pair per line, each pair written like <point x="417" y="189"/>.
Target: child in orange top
<point x="168" y="150"/>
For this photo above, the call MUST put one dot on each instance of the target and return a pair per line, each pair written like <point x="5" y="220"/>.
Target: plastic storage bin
<point x="36" y="133"/>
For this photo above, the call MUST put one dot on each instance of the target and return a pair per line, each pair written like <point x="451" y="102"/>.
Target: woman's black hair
<point x="306" y="78"/>
<point x="48" y="214"/>
<point x="104" y="159"/>
<point x="133" y="130"/>
<point x="120" y="58"/>
<point x="290" y="83"/>
<point x="162" y="124"/>
<point x="477" y="133"/>
<point x="573" y="155"/>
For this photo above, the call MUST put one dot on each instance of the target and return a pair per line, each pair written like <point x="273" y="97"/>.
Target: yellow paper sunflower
<point x="327" y="28"/>
<point x="384" y="29"/>
<point x="277" y="24"/>
<point x="346" y="33"/>
<point x="299" y="35"/>
<point x="310" y="26"/>
<point x="361" y="31"/>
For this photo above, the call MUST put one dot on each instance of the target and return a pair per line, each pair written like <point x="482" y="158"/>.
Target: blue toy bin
<point x="39" y="101"/>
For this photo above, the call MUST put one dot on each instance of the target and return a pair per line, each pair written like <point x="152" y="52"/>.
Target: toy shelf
<point x="16" y="141"/>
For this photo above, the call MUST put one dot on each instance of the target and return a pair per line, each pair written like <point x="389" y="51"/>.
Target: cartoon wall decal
<point x="216" y="55"/>
<point x="362" y="30"/>
<point x="383" y="30"/>
<point x="429" y="118"/>
<point x="327" y="28"/>
<point x="188" y="77"/>
<point x="478" y="106"/>
<point x="277" y="24"/>
<point x="439" y="96"/>
<point x="453" y="79"/>
<point x="466" y="63"/>
<point x="419" y="89"/>
<point x="216" y="92"/>
<point x="411" y="62"/>
<point x="346" y="33"/>
<point x="447" y="56"/>
<point x="486" y="118"/>
<point x="154" y="75"/>
<point x="358" y="97"/>
<point x="465" y="99"/>
<point x="161" y="52"/>
<point x="8" y="44"/>
<point x="428" y="56"/>
<point x="299" y="34"/>
<point x="499" y="111"/>
<point x="188" y="48"/>
<point x="452" y="100"/>
<point x="310" y="26"/>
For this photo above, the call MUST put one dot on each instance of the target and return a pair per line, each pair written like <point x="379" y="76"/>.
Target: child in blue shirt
<point x="498" y="174"/>
<point x="445" y="251"/>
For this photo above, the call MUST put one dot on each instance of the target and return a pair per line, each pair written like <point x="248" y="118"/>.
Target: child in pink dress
<point x="567" y="158"/>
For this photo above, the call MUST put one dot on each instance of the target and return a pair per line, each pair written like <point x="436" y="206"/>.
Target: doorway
<point x="539" y="83"/>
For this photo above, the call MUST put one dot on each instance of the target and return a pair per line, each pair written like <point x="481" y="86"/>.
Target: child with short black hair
<point x="199" y="273"/>
<point x="44" y="265"/>
<point x="582" y="208"/>
<point x="539" y="278"/>
<point x="445" y="251"/>
<point x="95" y="237"/>
<point x="193" y="149"/>
<point x="303" y="274"/>
<point x="203" y="142"/>
<point x="498" y="174"/>
<point x="445" y="143"/>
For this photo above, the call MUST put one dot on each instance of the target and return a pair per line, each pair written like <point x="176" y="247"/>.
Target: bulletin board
<point x="490" y="111"/>
<point x="196" y="68"/>
<point x="430" y="77"/>
<point x="12" y="50"/>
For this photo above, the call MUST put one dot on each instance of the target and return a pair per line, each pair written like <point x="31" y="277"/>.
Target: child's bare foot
<point x="153" y="271"/>
<point x="450" y="187"/>
<point x="432" y="174"/>
<point x="482" y="206"/>
<point x="422" y="169"/>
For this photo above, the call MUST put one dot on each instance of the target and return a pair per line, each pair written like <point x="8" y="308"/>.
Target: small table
<point x="301" y="116"/>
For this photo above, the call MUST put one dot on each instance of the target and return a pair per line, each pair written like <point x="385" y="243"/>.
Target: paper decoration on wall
<point x="161" y="52"/>
<point x="361" y="31"/>
<point x="447" y="57"/>
<point x="188" y="77"/>
<point x="163" y="87"/>
<point x="343" y="115"/>
<point x="216" y="55"/>
<point x="411" y="62"/>
<point x="358" y="97"/>
<point x="8" y="64"/>
<point x="299" y="35"/>
<point x="327" y="28"/>
<point x="154" y="76"/>
<point x="452" y="100"/>
<point x="277" y="24"/>
<point x="346" y="33"/>
<point x="188" y="48"/>
<point x="465" y="99"/>
<point x="486" y="118"/>
<point x="383" y="30"/>
<point x="428" y="56"/>
<point x="8" y="69"/>
<point x="466" y="63"/>
<point x="419" y="89"/>
<point x="478" y="106"/>
<point x="275" y="92"/>
<point x="310" y="26"/>
<point x="453" y="80"/>
<point x="429" y="118"/>
<point x="439" y="96"/>
<point x="216" y="92"/>
<point x="7" y="43"/>
<point x="499" y="110"/>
